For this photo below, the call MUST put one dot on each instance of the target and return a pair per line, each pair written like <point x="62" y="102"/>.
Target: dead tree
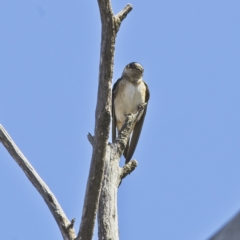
<point x="105" y="175"/>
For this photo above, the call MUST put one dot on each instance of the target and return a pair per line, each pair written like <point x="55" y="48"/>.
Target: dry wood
<point x="113" y="175"/>
<point x="64" y="224"/>
<point x="110" y="27"/>
<point x="104" y="170"/>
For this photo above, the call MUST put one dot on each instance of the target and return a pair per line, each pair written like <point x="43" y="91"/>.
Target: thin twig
<point x="90" y="138"/>
<point x="39" y="184"/>
<point x="72" y="223"/>
<point x="124" y="12"/>
<point x="122" y="15"/>
<point x="125" y="131"/>
<point x="128" y="168"/>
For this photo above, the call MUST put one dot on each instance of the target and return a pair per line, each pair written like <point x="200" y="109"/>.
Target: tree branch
<point x="125" y="131"/>
<point x="51" y="201"/>
<point x="110" y="27"/>
<point x="122" y="15"/>
<point x="102" y="151"/>
<point x="102" y="121"/>
<point x="107" y="212"/>
<point x="128" y="168"/>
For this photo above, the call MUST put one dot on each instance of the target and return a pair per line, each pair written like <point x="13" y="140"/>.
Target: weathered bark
<point x="65" y="226"/>
<point x="105" y="157"/>
<point x="110" y="27"/>
<point x="113" y="175"/>
<point x="107" y="210"/>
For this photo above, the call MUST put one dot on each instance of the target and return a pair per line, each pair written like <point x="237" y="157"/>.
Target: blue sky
<point x="186" y="184"/>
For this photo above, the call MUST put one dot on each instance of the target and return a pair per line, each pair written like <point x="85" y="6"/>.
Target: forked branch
<point x="107" y="212"/>
<point x="101" y="149"/>
<point x="125" y="131"/>
<point x="110" y="27"/>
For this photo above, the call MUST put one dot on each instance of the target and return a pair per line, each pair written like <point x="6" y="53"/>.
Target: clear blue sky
<point x="187" y="182"/>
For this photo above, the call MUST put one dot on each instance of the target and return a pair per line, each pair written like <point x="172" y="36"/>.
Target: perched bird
<point x="129" y="93"/>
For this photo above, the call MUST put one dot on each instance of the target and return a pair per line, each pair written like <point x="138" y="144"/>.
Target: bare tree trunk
<point x="104" y="170"/>
<point x="113" y="175"/>
<point x="110" y="27"/>
<point x="107" y="211"/>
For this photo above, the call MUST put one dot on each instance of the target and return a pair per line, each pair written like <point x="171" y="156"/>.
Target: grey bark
<point x="65" y="226"/>
<point x="114" y="174"/>
<point x="110" y="27"/>
<point x="105" y="157"/>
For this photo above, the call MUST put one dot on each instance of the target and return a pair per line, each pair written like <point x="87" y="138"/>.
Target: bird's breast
<point x="128" y="97"/>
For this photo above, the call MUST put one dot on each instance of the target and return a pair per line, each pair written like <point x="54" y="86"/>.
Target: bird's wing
<point x="137" y="129"/>
<point x="114" y="125"/>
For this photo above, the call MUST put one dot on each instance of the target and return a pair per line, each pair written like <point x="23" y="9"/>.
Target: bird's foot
<point x="142" y="106"/>
<point x="127" y="114"/>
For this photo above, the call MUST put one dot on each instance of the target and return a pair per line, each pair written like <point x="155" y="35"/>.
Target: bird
<point x="129" y="93"/>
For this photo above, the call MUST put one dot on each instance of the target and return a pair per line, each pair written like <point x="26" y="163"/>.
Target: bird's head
<point x="133" y="71"/>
